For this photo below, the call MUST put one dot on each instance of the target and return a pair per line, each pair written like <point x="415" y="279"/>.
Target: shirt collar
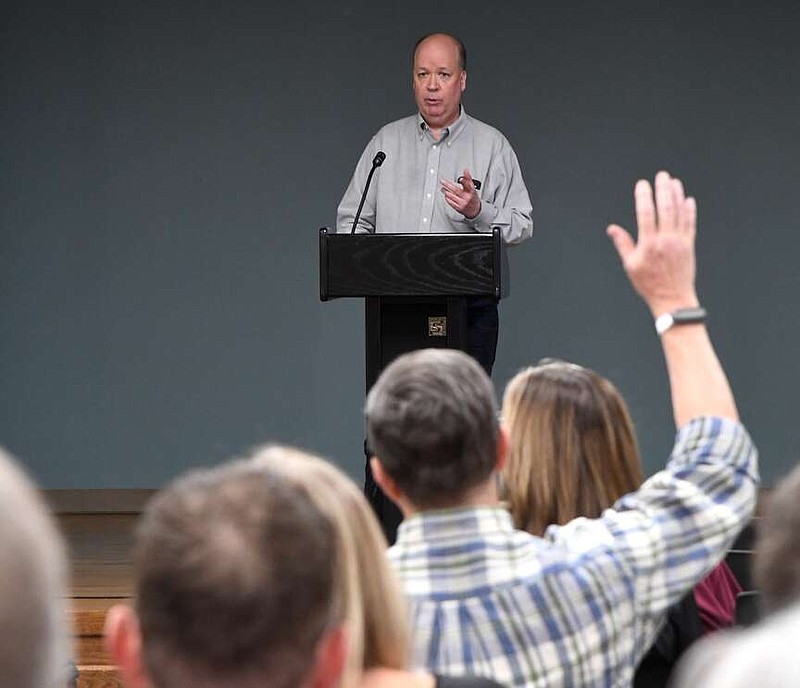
<point x="448" y="524"/>
<point x="448" y="132"/>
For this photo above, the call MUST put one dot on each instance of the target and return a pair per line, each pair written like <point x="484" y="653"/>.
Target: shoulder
<point x="538" y="564"/>
<point x="486" y="132"/>
<point x="398" y="127"/>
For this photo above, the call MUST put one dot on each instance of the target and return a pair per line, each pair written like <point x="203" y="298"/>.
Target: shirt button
<point x="432" y="170"/>
<point x="429" y="195"/>
<point x="424" y="219"/>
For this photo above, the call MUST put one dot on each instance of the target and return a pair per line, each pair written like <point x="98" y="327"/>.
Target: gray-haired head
<point x="764" y="655"/>
<point x="432" y="422"/>
<point x="34" y="640"/>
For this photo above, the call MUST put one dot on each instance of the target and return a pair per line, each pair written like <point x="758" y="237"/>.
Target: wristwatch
<point x="682" y="316"/>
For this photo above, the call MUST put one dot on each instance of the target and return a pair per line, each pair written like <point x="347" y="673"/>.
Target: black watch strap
<point x="682" y="316"/>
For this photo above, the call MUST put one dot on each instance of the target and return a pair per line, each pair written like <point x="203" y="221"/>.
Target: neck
<point x="391" y="678"/>
<point x="484" y="494"/>
<point x="436" y="131"/>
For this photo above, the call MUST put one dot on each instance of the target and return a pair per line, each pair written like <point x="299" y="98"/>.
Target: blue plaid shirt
<point x="581" y="606"/>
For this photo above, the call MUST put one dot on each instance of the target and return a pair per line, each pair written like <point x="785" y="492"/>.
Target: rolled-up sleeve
<point x="680" y="523"/>
<point x="506" y="204"/>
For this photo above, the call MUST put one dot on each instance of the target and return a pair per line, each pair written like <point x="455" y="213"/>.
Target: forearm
<point x="698" y="383"/>
<point x="515" y="224"/>
<point x="679" y="524"/>
<point x="505" y="201"/>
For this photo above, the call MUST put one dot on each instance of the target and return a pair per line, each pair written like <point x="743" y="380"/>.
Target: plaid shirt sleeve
<point x="682" y="520"/>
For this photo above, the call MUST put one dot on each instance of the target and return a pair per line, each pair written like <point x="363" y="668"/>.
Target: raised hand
<point x="661" y="262"/>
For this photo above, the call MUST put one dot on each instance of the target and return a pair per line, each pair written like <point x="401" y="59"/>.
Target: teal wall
<point x="165" y="168"/>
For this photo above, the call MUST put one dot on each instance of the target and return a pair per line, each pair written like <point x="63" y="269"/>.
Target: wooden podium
<point x="415" y="288"/>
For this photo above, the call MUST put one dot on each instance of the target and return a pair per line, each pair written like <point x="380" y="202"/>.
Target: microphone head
<point x="379" y="158"/>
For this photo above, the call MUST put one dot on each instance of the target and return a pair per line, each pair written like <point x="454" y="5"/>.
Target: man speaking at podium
<point x="444" y="172"/>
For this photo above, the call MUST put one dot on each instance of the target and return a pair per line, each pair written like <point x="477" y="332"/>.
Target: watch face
<point x="664" y="322"/>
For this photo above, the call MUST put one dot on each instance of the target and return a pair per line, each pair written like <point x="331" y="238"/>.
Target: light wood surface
<point x="101" y="575"/>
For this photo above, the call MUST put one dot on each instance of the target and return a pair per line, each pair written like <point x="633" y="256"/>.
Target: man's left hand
<point x="462" y="197"/>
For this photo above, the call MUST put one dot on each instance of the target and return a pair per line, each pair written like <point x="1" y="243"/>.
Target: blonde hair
<point x="370" y="599"/>
<point x="572" y="446"/>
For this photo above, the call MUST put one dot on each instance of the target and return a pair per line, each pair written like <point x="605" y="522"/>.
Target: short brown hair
<point x="234" y="579"/>
<point x="572" y="445"/>
<point x="432" y="422"/>
<point x="776" y="561"/>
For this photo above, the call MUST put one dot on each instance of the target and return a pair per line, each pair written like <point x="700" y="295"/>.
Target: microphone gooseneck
<point x="377" y="161"/>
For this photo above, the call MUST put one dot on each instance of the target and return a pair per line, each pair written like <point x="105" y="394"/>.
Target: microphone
<point x="377" y="161"/>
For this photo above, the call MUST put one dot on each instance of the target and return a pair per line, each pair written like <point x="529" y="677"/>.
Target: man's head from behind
<point x="776" y="563"/>
<point x="234" y="574"/>
<point x="33" y="632"/>
<point x="432" y="424"/>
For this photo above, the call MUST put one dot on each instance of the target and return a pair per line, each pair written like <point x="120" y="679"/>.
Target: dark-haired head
<point x="432" y="422"/>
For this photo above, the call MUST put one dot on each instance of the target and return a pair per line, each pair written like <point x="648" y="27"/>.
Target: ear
<point x="123" y="640"/>
<point x="502" y="448"/>
<point x="384" y="480"/>
<point x="330" y="659"/>
<point x="390" y="488"/>
<point x="463" y="80"/>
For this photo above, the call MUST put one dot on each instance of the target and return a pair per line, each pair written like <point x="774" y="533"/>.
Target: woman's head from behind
<point x="371" y="599"/>
<point x="572" y="446"/>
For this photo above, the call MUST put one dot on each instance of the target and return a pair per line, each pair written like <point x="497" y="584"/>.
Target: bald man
<point x="445" y="172"/>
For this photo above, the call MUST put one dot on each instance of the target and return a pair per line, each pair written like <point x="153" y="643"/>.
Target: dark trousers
<point x="482" y="329"/>
<point x="483" y="323"/>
